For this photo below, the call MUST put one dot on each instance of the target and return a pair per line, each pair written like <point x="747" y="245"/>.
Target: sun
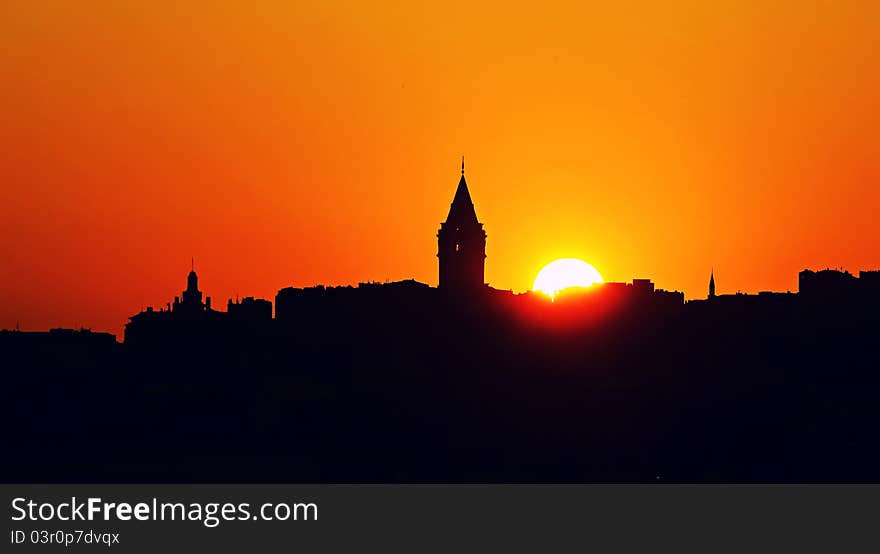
<point x="565" y="273"/>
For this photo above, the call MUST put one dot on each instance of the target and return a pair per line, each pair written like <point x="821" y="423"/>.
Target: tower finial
<point x="462" y="165"/>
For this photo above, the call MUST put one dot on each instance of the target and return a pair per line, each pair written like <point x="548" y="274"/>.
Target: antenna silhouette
<point x="462" y="165"/>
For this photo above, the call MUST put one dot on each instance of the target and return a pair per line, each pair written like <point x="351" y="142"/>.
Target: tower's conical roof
<point x="462" y="209"/>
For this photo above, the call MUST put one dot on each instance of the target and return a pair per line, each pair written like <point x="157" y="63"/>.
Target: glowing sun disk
<point x="565" y="273"/>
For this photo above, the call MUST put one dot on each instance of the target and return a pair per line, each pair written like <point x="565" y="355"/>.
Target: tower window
<point x="457" y="247"/>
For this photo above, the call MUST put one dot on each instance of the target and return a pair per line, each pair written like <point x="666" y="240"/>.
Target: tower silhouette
<point x="712" y="285"/>
<point x="191" y="300"/>
<point x="461" y="243"/>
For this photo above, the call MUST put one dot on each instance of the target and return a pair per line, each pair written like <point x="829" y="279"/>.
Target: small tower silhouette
<point x="191" y="300"/>
<point x="712" y="285"/>
<point x="461" y="243"/>
<point x="192" y="292"/>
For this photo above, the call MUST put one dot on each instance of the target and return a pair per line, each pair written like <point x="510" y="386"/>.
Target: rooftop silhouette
<point x="401" y="382"/>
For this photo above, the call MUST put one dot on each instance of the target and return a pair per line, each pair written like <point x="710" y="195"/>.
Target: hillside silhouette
<point x="402" y="382"/>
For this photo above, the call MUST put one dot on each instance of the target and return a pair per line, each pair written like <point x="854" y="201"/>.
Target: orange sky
<point x="285" y="144"/>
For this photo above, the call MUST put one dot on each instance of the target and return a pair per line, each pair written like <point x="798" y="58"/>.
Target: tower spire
<point x="712" y="284"/>
<point x="461" y="243"/>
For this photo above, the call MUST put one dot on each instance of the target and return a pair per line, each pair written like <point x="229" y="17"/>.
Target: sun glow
<point x="565" y="273"/>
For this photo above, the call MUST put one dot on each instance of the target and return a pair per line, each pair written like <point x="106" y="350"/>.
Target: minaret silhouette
<point x="461" y="243"/>
<point x="712" y="285"/>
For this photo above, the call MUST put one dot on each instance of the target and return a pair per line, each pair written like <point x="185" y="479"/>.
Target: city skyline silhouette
<point x="290" y="147"/>
<point x="404" y="382"/>
<point x="358" y="306"/>
<point x="461" y="254"/>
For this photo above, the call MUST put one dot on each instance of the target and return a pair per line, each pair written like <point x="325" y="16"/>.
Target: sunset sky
<point x="284" y="143"/>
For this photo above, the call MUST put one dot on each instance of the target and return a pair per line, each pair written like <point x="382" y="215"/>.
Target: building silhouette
<point x="189" y="317"/>
<point x="191" y="300"/>
<point x="870" y="281"/>
<point x="461" y="243"/>
<point x="826" y="283"/>
<point x="250" y="309"/>
<point x="403" y="382"/>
